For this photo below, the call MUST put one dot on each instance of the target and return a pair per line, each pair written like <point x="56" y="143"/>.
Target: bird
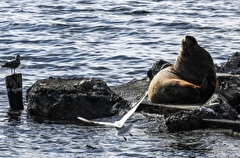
<point x="13" y="64"/>
<point x="119" y="125"/>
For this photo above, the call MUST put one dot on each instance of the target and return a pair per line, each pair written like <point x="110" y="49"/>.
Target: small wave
<point x="138" y="12"/>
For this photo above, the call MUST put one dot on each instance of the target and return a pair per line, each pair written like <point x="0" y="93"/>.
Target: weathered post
<point x="14" y="91"/>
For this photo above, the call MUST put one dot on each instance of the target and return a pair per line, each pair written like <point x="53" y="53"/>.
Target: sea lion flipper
<point x="204" y="84"/>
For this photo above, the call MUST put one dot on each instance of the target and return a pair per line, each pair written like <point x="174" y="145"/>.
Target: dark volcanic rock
<point x="157" y="66"/>
<point x="230" y="89"/>
<point x="69" y="98"/>
<point x="233" y="97"/>
<point x="216" y="108"/>
<point x="232" y="65"/>
<point x="187" y="120"/>
<point x="132" y="90"/>
<point x="221" y="107"/>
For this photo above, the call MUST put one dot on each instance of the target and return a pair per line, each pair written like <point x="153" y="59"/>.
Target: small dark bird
<point x="13" y="64"/>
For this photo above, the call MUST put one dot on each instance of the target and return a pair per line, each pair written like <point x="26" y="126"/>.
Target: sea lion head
<point x="194" y="62"/>
<point x="189" y="45"/>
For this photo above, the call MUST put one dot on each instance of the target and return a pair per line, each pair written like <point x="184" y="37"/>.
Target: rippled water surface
<point x="116" y="41"/>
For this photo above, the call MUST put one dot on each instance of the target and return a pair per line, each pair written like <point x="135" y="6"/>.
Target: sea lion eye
<point x="184" y="44"/>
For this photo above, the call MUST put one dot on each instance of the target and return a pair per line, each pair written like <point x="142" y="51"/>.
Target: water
<point x="116" y="41"/>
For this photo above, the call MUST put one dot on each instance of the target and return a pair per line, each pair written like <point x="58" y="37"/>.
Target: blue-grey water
<point x="116" y="41"/>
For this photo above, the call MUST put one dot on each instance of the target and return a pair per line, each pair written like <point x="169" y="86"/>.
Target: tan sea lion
<point x="191" y="79"/>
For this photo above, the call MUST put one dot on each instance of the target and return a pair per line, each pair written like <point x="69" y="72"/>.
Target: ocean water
<point x="117" y="41"/>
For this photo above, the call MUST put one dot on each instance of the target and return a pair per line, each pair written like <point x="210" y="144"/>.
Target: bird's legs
<point x="126" y="138"/>
<point x="12" y="71"/>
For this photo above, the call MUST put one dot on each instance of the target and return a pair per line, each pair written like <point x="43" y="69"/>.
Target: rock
<point x="234" y="125"/>
<point x="69" y="98"/>
<point x="232" y="66"/>
<point x="187" y="120"/>
<point x="216" y="108"/>
<point x="220" y="105"/>
<point x="233" y="97"/>
<point x="132" y="90"/>
<point x="157" y="66"/>
<point x="92" y="98"/>
<point x="230" y="89"/>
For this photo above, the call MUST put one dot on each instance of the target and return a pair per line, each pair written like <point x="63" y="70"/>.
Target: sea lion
<point x="190" y="79"/>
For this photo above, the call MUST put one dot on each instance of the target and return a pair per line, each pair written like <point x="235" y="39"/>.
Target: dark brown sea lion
<point x="191" y="79"/>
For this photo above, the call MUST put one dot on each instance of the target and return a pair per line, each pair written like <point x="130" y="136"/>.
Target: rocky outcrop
<point x="92" y="98"/>
<point x="230" y="89"/>
<point x="232" y="66"/>
<point x="224" y="104"/>
<point x="159" y="65"/>
<point x="216" y="108"/>
<point x="69" y="98"/>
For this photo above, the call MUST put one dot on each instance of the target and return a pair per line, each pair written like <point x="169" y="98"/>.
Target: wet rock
<point x="216" y="108"/>
<point x="234" y="125"/>
<point x="187" y="120"/>
<point x="233" y="97"/>
<point x="230" y="89"/>
<point x="220" y="105"/>
<point x="232" y="66"/>
<point x="69" y="98"/>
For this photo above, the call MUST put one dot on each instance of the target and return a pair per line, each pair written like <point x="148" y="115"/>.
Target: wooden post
<point x="14" y="91"/>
